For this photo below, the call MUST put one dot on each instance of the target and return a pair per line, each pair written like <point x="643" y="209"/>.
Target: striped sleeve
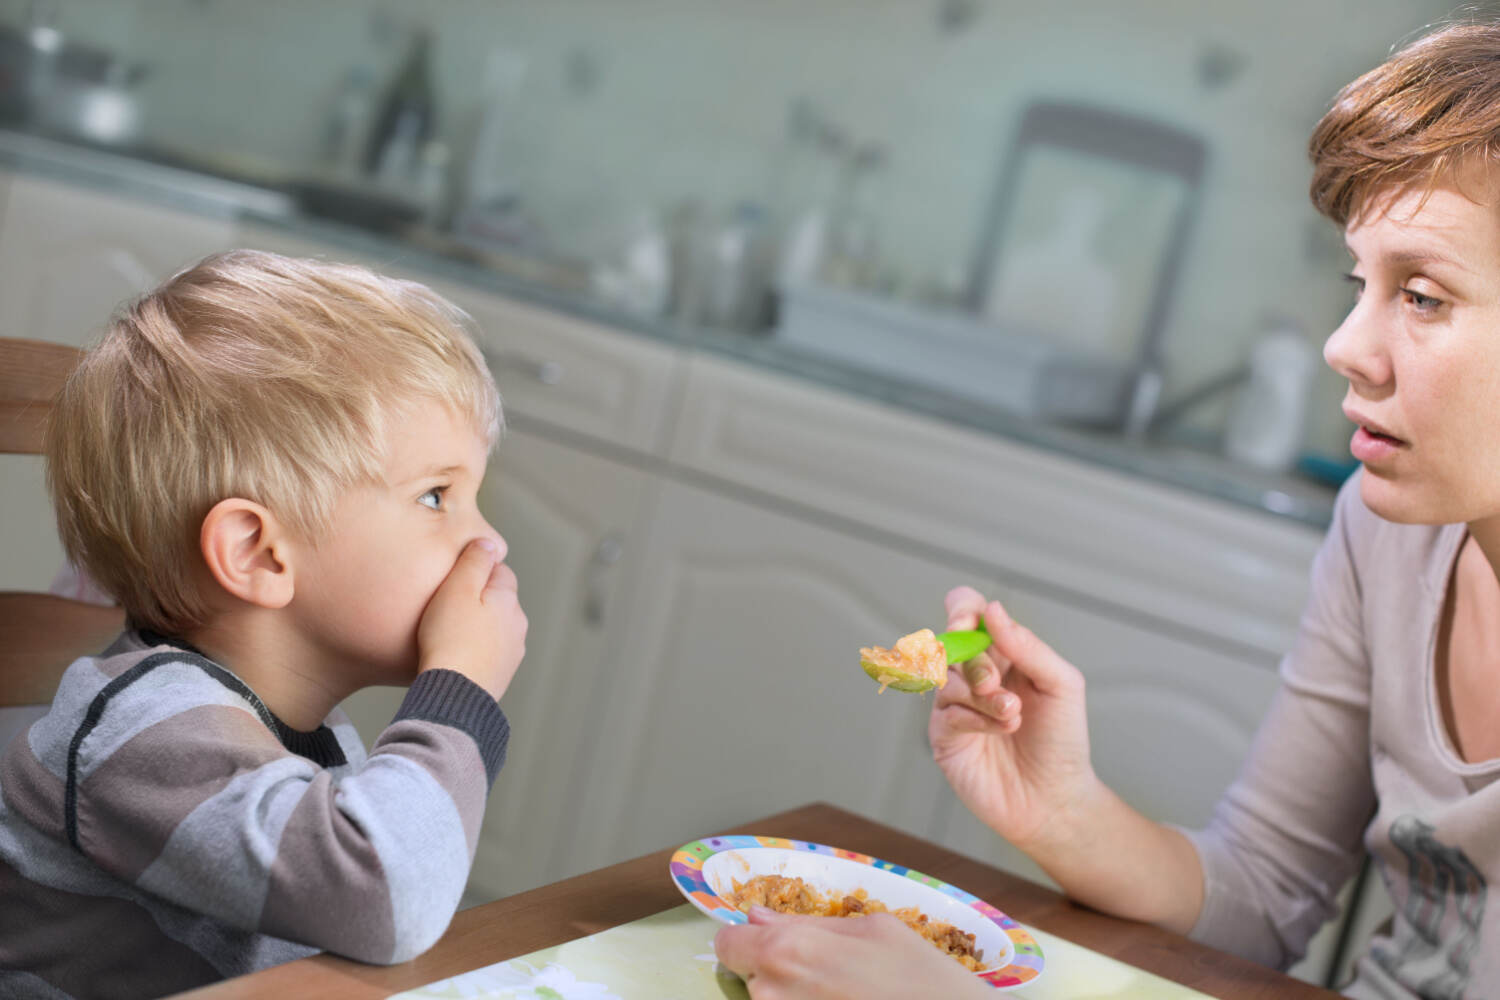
<point x="187" y="792"/>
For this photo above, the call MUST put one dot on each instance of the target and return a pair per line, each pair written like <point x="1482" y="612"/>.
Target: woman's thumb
<point x="1036" y="660"/>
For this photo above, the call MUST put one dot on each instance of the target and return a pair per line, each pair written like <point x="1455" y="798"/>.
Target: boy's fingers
<point x="474" y="565"/>
<point x="502" y="577"/>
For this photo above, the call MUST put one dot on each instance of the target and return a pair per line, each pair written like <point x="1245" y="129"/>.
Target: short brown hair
<point x="1430" y="108"/>
<point x="247" y="375"/>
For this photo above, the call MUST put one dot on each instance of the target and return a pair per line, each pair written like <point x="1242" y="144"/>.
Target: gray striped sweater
<point x="161" y="829"/>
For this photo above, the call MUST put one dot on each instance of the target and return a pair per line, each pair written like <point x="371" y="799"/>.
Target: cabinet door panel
<point x="743" y="693"/>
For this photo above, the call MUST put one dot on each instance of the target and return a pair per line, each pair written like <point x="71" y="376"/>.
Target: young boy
<point x="272" y="464"/>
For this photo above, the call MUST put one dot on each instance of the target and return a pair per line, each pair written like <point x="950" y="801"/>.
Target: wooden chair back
<point x="40" y="634"/>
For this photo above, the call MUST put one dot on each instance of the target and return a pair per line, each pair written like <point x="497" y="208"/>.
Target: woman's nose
<point x="1356" y="350"/>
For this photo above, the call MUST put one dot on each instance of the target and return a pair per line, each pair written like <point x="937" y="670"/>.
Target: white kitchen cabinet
<point x="747" y="688"/>
<point x="738" y="690"/>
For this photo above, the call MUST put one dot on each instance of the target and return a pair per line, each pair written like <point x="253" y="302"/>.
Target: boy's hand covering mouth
<point x="474" y="623"/>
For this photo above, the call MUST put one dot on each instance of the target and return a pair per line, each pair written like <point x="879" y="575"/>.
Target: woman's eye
<point x="1358" y="284"/>
<point x="433" y="498"/>
<point x="1420" y="302"/>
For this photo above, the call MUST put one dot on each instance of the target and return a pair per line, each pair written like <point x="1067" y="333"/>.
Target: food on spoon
<point x="793" y="895"/>
<point x="918" y="662"/>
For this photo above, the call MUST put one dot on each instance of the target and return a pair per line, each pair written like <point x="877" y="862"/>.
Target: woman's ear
<point x="245" y="548"/>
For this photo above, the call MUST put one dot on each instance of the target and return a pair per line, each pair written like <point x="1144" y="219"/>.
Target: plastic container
<point x="1266" y="419"/>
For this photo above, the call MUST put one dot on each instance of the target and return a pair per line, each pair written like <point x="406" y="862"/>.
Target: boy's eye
<point x="1358" y="283"/>
<point x="433" y="498"/>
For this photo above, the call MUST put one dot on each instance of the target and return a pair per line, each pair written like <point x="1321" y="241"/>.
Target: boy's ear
<point x="245" y="547"/>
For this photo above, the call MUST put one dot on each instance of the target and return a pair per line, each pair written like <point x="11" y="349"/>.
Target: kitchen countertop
<point x="182" y="183"/>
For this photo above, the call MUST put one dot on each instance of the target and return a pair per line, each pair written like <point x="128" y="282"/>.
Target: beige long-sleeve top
<point x="1354" y="756"/>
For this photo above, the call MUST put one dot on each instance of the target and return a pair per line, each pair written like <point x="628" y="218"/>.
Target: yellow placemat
<point x="670" y="956"/>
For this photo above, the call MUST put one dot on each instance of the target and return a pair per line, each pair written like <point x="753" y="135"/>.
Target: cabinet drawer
<point x="1202" y="568"/>
<point x="573" y="374"/>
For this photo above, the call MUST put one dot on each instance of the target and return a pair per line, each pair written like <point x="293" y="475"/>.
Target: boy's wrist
<point x="450" y="698"/>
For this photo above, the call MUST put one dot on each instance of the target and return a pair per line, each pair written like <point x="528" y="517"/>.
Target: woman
<point x="1385" y="734"/>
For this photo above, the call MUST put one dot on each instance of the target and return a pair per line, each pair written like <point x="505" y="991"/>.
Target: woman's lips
<point x="1372" y="446"/>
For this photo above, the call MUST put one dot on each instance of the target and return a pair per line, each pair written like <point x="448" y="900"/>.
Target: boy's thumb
<point x="476" y="561"/>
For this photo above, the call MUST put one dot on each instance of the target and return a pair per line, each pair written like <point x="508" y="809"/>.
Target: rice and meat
<point x="793" y="895"/>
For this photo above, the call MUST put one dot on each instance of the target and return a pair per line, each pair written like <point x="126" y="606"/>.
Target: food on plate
<point x="793" y="895"/>
<point x="918" y="662"/>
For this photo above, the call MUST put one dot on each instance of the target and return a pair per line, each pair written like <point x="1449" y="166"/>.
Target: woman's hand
<point x="877" y="957"/>
<point x="1009" y="729"/>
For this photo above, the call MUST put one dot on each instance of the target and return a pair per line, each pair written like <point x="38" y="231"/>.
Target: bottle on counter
<point x="736" y="280"/>
<point x="345" y="131"/>
<point x="406" y="119"/>
<point x="1266" y="419"/>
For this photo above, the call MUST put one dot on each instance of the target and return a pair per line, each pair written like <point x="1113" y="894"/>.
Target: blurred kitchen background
<point x="803" y="312"/>
<point x="728" y="164"/>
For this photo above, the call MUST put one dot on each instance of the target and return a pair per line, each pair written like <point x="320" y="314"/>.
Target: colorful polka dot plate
<point x="705" y="871"/>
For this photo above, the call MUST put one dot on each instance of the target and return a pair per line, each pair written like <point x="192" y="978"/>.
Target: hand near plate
<point x="784" y="957"/>
<point x="1009" y="729"/>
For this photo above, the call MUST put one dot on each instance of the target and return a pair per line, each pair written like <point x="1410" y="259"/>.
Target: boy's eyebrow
<point x="434" y="471"/>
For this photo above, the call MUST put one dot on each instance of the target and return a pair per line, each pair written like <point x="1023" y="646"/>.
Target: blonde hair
<point x="1414" y="120"/>
<point x="246" y="375"/>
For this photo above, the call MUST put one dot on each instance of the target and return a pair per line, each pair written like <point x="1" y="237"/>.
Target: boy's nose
<point x="494" y="536"/>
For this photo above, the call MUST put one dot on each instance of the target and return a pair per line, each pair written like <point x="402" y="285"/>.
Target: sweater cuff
<point x="449" y="698"/>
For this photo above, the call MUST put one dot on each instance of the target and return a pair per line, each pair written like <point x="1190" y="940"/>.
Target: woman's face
<point x="1421" y="351"/>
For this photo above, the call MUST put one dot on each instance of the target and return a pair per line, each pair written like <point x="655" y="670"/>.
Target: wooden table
<point x="628" y="891"/>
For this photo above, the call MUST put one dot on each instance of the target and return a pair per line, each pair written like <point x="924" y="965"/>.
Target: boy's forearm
<point x="1108" y="856"/>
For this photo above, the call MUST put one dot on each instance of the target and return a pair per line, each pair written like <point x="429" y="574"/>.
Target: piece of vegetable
<point x="919" y="661"/>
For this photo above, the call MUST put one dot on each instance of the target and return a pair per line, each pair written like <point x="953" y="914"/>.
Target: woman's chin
<point x="1406" y="502"/>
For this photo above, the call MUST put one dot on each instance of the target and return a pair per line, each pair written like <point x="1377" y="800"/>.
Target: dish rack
<point x="1015" y="370"/>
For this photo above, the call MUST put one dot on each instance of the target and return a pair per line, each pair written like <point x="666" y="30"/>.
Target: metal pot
<point x="98" y="112"/>
<point x="81" y="91"/>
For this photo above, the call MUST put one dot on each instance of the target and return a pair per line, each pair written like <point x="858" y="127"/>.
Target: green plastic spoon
<point x="960" y="646"/>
